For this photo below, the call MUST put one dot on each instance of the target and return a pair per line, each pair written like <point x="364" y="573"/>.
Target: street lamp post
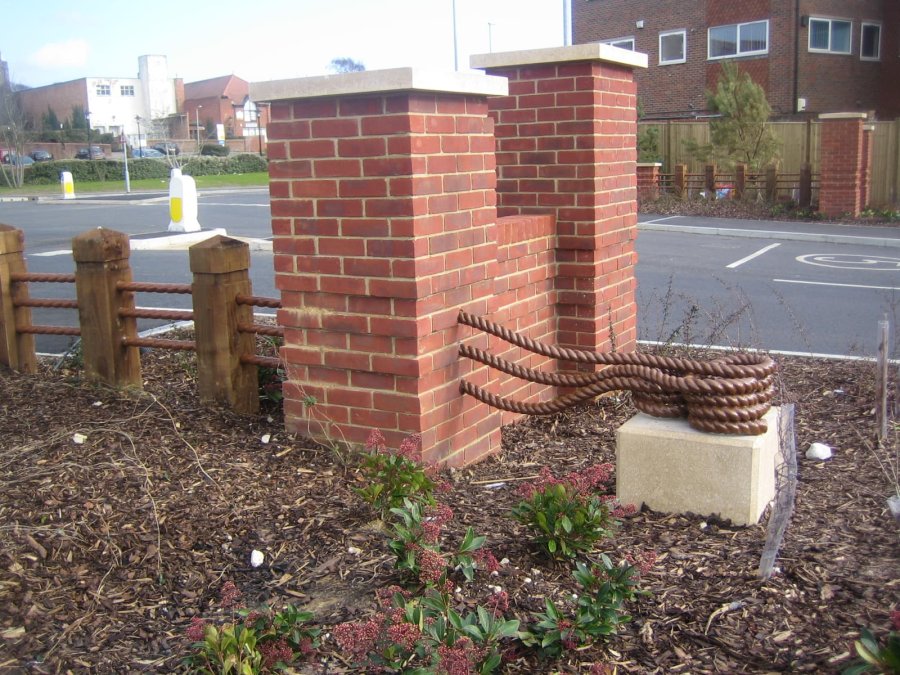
<point x="197" y="114"/>
<point x="87" y="117"/>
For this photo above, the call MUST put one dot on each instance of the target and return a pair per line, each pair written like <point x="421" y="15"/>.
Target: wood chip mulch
<point x="122" y="514"/>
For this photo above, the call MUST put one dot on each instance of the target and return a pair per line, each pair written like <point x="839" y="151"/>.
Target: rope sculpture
<point x="729" y="395"/>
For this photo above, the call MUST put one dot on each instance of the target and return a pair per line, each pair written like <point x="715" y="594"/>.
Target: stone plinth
<point x="669" y="466"/>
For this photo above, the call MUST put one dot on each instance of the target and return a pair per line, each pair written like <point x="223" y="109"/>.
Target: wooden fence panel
<point x="799" y="145"/>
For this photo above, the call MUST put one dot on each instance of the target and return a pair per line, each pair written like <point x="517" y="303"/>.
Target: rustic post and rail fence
<point x="222" y="297"/>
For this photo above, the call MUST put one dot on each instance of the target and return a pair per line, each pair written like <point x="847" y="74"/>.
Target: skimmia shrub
<point x="392" y="477"/>
<point x="253" y="641"/>
<point x="599" y="607"/>
<point x="417" y="538"/>
<point x="427" y="634"/>
<point x="875" y="657"/>
<point x="568" y="516"/>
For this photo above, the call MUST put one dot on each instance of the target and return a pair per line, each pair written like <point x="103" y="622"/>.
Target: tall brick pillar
<point x="842" y="162"/>
<point x="566" y="145"/>
<point x="384" y="217"/>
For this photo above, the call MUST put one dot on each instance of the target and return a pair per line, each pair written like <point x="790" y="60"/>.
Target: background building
<point x="129" y="106"/>
<point x="224" y="101"/>
<point x="811" y="56"/>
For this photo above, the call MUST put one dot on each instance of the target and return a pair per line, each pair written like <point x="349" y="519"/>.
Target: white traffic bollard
<point x="182" y="203"/>
<point x="68" y="185"/>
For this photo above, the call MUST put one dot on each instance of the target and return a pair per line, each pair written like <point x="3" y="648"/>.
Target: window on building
<point x="830" y="35"/>
<point x="672" y="47"/>
<point x="870" y="42"/>
<point x="103" y="90"/>
<point x="126" y="90"/>
<point x="739" y="39"/>
<point x="621" y="43"/>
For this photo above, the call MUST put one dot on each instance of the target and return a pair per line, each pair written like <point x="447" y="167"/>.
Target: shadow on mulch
<point x="110" y="545"/>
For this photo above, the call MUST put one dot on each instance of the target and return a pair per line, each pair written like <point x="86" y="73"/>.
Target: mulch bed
<point x="111" y="545"/>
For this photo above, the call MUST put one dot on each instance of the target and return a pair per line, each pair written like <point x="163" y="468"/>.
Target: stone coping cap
<point x="843" y="116"/>
<point x="592" y="51"/>
<point x="379" y="81"/>
<point x="649" y="163"/>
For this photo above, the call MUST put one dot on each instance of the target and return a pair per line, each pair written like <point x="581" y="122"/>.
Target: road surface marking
<point x="47" y="254"/>
<point x="869" y="263"/>
<point x="738" y="263"/>
<point x="825" y="283"/>
<point x="659" y="220"/>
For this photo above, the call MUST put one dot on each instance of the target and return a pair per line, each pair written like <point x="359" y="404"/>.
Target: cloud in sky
<point x="69" y="54"/>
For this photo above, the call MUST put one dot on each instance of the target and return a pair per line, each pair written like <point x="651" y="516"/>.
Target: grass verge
<point x="259" y="179"/>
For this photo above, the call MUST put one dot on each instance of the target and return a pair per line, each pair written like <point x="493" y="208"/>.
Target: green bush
<point x="215" y="150"/>
<point x="246" y="163"/>
<point x="47" y="173"/>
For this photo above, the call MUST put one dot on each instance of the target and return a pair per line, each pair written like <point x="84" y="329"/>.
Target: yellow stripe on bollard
<point x="176" y="209"/>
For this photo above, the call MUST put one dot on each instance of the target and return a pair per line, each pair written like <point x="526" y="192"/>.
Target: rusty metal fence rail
<point x="222" y="313"/>
<point x="729" y="395"/>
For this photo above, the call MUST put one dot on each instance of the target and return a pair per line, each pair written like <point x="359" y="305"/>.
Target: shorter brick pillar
<point x="648" y="181"/>
<point x="566" y="146"/>
<point x="842" y="160"/>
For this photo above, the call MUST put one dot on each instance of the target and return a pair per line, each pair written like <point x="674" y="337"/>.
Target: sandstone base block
<point x="671" y="467"/>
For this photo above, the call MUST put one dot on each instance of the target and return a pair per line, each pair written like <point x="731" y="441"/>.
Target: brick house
<point x="224" y="100"/>
<point x="811" y="56"/>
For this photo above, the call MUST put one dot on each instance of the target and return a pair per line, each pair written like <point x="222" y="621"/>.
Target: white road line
<point x="47" y="254"/>
<point x="738" y="263"/>
<point x="259" y="206"/>
<point x="825" y="283"/>
<point x="658" y="220"/>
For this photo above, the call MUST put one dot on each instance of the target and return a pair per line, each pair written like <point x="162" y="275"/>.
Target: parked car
<point x="168" y="148"/>
<point x="95" y="152"/>
<point x="19" y="160"/>
<point x="41" y="156"/>
<point x="147" y="152"/>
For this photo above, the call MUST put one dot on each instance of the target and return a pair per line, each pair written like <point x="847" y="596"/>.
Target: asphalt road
<point x="798" y="287"/>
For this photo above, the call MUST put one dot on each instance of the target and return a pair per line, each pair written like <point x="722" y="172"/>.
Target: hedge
<point x="47" y="173"/>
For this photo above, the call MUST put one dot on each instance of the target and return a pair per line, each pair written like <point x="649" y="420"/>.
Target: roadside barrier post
<point x="182" y="203"/>
<point x="101" y="263"/>
<point x="220" y="266"/>
<point x="16" y="349"/>
<point x="68" y="185"/>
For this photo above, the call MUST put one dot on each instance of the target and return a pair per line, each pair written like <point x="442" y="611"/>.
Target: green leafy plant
<point x="877" y="657"/>
<point x="392" y="477"/>
<point x="416" y="543"/>
<point x="599" y="608"/>
<point x="253" y="641"/>
<point x="429" y="632"/>
<point x="568" y="516"/>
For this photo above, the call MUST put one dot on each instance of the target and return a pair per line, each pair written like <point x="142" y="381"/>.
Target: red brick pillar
<point x="841" y="163"/>
<point x="384" y="217"/>
<point x="566" y="145"/>
<point x="648" y="181"/>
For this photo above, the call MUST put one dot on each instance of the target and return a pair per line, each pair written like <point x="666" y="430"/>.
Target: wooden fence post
<point x="805" y="196"/>
<point x="221" y="272"/>
<point x="709" y="180"/>
<point x="16" y="349"/>
<point x="740" y="180"/>
<point x="101" y="263"/>
<point x="771" y="183"/>
<point x="679" y="180"/>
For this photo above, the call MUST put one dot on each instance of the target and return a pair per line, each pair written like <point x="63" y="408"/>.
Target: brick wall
<point x="829" y="82"/>
<point x="385" y="222"/>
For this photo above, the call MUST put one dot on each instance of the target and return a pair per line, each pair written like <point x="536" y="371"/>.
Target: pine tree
<point x="741" y="135"/>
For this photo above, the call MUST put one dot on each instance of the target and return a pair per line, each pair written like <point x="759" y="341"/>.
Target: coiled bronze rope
<point x="728" y="395"/>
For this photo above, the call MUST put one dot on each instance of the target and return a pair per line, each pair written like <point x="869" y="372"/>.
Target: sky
<point x="55" y="40"/>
